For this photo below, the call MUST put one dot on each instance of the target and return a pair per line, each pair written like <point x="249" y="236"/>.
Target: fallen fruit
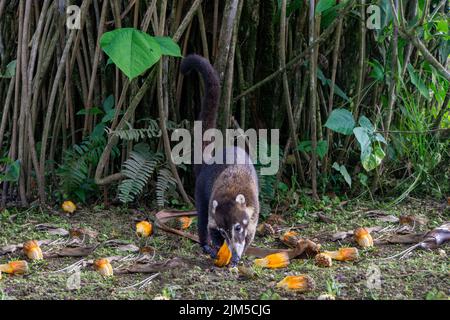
<point x="290" y="238"/>
<point x="15" y="267"/>
<point x="301" y="283"/>
<point x="32" y="250"/>
<point x="344" y="254"/>
<point x="363" y="237"/>
<point x="185" y="222"/>
<point x="223" y="256"/>
<point x="144" y="229"/>
<point x="273" y="261"/>
<point x="69" y="206"/>
<point x="323" y="260"/>
<point x="104" y="267"/>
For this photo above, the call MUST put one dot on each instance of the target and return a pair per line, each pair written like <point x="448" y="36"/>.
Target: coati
<point x="226" y="194"/>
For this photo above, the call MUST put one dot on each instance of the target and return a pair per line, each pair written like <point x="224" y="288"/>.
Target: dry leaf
<point x="15" y="267"/>
<point x="413" y="220"/>
<point x="69" y="206"/>
<point x="323" y="260"/>
<point x="322" y="217"/>
<point x="152" y="267"/>
<point x="144" y="229"/>
<point x="82" y="232"/>
<point x="363" y="237"/>
<point x="273" y="261"/>
<point x="32" y="250"/>
<point x="104" y="267"/>
<point x="53" y="230"/>
<point x="301" y="283"/>
<point x="344" y="254"/>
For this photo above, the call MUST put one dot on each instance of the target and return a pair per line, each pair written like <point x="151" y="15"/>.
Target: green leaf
<point x="417" y="81"/>
<point x="10" y="70"/>
<point x="341" y="120"/>
<point x="168" y="46"/>
<point x="321" y="150"/>
<point x="363" y="179"/>
<point x="372" y="160"/>
<point x="363" y="138"/>
<point x="92" y="111"/>
<point x="377" y="71"/>
<point x="12" y="172"/>
<point x="131" y="50"/>
<point x="324" y="5"/>
<point x="343" y="170"/>
<point x="337" y="89"/>
<point x="366" y="123"/>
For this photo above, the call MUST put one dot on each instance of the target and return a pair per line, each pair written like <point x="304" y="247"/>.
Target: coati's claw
<point x="210" y="251"/>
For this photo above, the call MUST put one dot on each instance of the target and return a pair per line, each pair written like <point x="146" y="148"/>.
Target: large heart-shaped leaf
<point x="341" y="120"/>
<point x="132" y="51"/>
<point x="168" y="46"/>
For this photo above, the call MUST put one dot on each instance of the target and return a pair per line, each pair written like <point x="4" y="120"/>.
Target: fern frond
<point x="138" y="169"/>
<point x="164" y="183"/>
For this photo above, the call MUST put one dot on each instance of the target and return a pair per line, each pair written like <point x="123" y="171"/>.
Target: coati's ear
<point x="240" y="199"/>
<point x="215" y="204"/>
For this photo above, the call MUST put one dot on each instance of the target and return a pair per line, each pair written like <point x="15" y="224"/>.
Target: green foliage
<point x="138" y="169"/>
<point x="12" y="170"/>
<point x="10" y="70"/>
<point x="324" y="5"/>
<point x="76" y="167"/>
<point x="343" y="171"/>
<point x="132" y="134"/>
<point x="321" y="150"/>
<point x="341" y="121"/>
<point x="134" y="51"/>
<point x="164" y="183"/>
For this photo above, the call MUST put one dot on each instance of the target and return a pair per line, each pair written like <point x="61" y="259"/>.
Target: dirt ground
<point x="421" y="275"/>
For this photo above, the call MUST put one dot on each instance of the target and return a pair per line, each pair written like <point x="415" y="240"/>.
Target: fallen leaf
<point x="322" y="217"/>
<point x="53" y="230"/>
<point x="152" y="267"/>
<point x="413" y="220"/>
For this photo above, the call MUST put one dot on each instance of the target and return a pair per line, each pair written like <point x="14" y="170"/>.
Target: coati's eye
<point x="238" y="228"/>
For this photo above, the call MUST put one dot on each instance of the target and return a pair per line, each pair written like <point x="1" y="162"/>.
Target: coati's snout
<point x="232" y="220"/>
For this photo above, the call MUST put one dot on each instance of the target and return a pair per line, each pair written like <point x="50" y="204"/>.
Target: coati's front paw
<point x="210" y="251"/>
<point x="234" y="261"/>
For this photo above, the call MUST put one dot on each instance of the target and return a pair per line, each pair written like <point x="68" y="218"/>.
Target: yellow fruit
<point x="223" y="256"/>
<point x="323" y="260"/>
<point x="344" y="254"/>
<point x="301" y="283"/>
<point x="273" y="261"/>
<point x="104" y="267"/>
<point x="144" y="229"/>
<point x="32" y="250"/>
<point x="363" y="237"/>
<point x="185" y="222"/>
<point x="15" y="267"/>
<point x="69" y="206"/>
